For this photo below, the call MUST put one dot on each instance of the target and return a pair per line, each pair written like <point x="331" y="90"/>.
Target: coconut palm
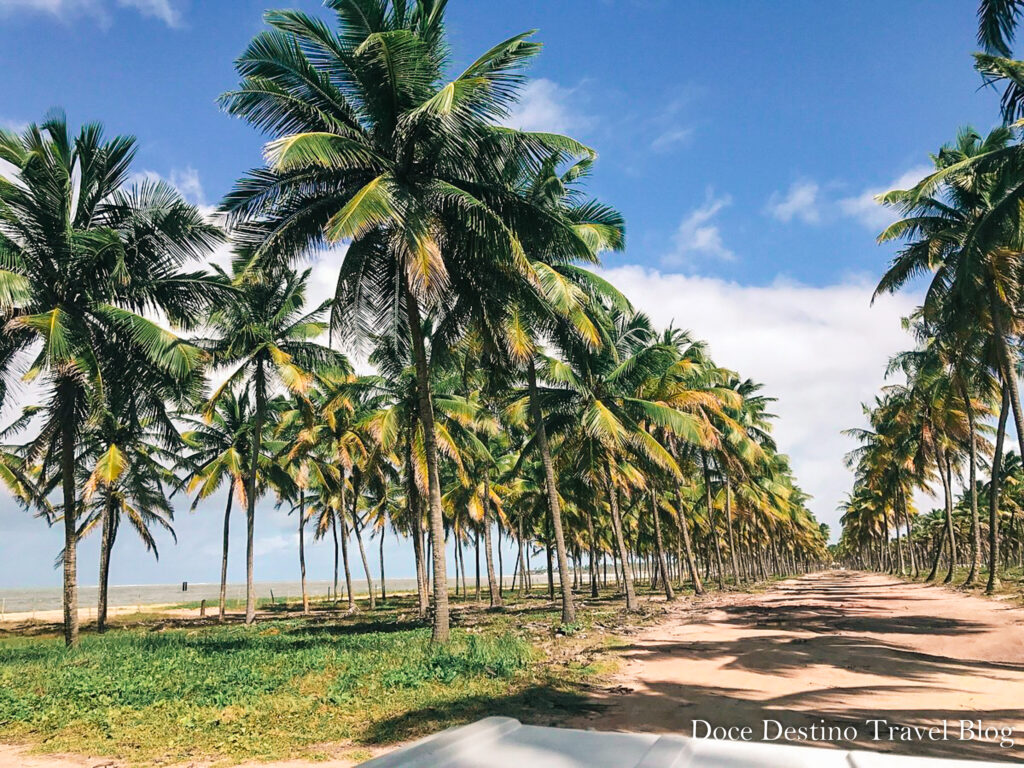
<point x="219" y="452"/>
<point x="997" y="27"/>
<point x="595" y="398"/>
<point x="82" y="256"/>
<point x="373" y="144"/>
<point x="127" y="454"/>
<point x="129" y="483"/>
<point x="265" y="337"/>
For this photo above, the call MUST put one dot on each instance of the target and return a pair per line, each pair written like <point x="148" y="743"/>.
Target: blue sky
<point x="741" y="140"/>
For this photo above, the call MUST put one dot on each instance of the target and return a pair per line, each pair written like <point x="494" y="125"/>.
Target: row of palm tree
<point x="515" y="391"/>
<point x="946" y="426"/>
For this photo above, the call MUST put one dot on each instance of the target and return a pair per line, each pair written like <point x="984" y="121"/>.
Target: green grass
<point x="169" y="691"/>
<point x="1011" y="580"/>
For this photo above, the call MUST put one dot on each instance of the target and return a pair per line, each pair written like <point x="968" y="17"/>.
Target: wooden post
<point x="202" y="608"/>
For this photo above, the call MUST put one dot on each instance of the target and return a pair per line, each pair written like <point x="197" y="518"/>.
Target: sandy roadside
<point x="835" y="649"/>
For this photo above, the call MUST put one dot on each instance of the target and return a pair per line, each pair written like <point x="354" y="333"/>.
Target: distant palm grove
<point x="944" y="422"/>
<point x="515" y="393"/>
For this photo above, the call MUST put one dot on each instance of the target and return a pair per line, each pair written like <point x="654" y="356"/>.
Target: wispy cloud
<point x="544" y="105"/>
<point x="164" y="10"/>
<point x="12" y="125"/>
<point x="699" y="235"/>
<point x="167" y="11"/>
<point x="671" y="138"/>
<point x="800" y="201"/>
<point x="865" y="209"/>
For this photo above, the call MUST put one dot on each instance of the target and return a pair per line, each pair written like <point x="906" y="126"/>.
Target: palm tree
<point x="126" y="484"/>
<point x="220" y="447"/>
<point x="961" y="225"/>
<point x="126" y="447"/>
<point x="372" y="145"/>
<point x="997" y="27"/>
<point x="81" y="257"/>
<point x="564" y="292"/>
<point x="595" y="398"/>
<point x="267" y="338"/>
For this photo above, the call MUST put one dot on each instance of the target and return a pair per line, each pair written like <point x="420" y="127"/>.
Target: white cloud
<point x="799" y="202"/>
<point x="17" y="126"/>
<point x="544" y="105"/>
<point x="163" y="10"/>
<point x="166" y="11"/>
<point x="697" y="235"/>
<point x="671" y="138"/>
<point x="865" y="208"/>
<point x="187" y="182"/>
<point x="820" y="350"/>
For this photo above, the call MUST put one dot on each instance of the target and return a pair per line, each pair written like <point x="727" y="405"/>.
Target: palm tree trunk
<point x="521" y="560"/>
<point x="344" y="548"/>
<point x="901" y="500"/>
<point x="1008" y="362"/>
<point x="554" y="505"/>
<point x="492" y="582"/>
<point x="662" y="562"/>
<point x="68" y="439"/>
<point x="222" y="603"/>
<point x="501" y="565"/>
<point x="691" y="562"/>
<point x="728" y="522"/>
<point x="476" y="557"/>
<point x="412" y="502"/>
<point x="106" y="544"/>
<point x="334" y="534"/>
<point x="250" y="512"/>
<point x="302" y="552"/>
<point x="944" y="471"/>
<point x="547" y="553"/>
<point x="462" y="567"/>
<point x="366" y="563"/>
<point x="593" y="552"/>
<point x="711" y="520"/>
<point x="899" y="542"/>
<point x="383" y="582"/>
<point x="620" y="544"/>
<point x="937" y="554"/>
<point x="441" y="628"/>
<point x="972" y="575"/>
<point x="993" y="497"/>
<point x="421" y="581"/>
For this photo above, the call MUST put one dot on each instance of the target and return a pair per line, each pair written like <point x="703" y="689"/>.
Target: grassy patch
<point x="1011" y="581"/>
<point x="177" y="690"/>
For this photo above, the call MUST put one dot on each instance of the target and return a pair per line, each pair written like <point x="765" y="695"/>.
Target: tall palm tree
<point x="265" y="337"/>
<point x="82" y="256"/>
<point x="961" y="224"/>
<point x="125" y="459"/>
<point x="374" y="145"/>
<point x="517" y="318"/>
<point x="219" y="452"/>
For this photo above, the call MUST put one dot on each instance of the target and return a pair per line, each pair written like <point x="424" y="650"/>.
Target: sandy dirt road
<point x="834" y="649"/>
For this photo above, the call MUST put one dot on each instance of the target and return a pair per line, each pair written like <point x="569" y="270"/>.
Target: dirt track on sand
<point x="840" y="647"/>
<point x="837" y="647"/>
